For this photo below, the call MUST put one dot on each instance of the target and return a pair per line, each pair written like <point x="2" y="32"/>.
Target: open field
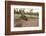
<point x="32" y="20"/>
<point x="19" y="15"/>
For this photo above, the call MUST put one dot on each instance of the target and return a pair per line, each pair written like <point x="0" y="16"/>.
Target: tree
<point x="14" y="11"/>
<point x="31" y="10"/>
<point x="23" y="14"/>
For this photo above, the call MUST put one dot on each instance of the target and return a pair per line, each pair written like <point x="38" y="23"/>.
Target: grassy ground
<point x="32" y="20"/>
<point x="27" y="15"/>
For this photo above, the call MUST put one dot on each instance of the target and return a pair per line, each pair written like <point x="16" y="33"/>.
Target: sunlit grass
<point x="17" y="16"/>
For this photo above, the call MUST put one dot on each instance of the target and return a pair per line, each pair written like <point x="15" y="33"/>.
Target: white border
<point x="25" y="28"/>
